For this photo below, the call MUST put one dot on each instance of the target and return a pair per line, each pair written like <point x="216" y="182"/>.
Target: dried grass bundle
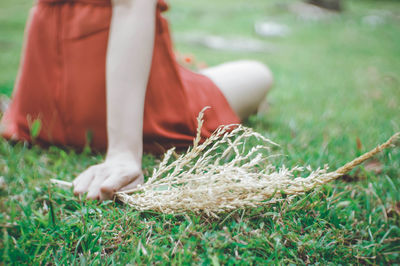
<point x="226" y="172"/>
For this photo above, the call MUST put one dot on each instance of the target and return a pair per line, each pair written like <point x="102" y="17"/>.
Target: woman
<point x="104" y="73"/>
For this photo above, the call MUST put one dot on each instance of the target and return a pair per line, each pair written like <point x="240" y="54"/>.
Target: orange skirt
<point x="62" y="83"/>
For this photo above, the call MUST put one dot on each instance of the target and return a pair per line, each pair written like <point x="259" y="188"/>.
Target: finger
<point x="94" y="188"/>
<point x="115" y="183"/>
<point x="82" y="182"/>
<point x="134" y="184"/>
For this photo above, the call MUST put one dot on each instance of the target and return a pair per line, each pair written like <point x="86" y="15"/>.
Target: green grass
<point x="336" y="81"/>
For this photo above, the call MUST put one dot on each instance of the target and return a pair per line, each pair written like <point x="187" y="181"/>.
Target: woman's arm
<point x="129" y="57"/>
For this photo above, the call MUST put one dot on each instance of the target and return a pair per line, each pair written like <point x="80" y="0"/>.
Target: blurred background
<point x="336" y="63"/>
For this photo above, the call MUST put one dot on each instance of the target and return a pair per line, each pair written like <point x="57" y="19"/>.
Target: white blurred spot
<point x="373" y="20"/>
<point x="2" y="183"/>
<point x="236" y="44"/>
<point x="271" y="29"/>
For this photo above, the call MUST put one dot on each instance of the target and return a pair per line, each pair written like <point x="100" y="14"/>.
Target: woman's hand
<point x="129" y="56"/>
<point x="101" y="181"/>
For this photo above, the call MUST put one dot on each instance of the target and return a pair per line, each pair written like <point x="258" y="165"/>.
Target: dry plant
<point x="227" y="172"/>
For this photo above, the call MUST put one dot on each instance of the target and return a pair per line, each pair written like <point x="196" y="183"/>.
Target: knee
<point x="261" y="73"/>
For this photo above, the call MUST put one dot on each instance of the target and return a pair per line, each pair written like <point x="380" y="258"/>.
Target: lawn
<point x="336" y="95"/>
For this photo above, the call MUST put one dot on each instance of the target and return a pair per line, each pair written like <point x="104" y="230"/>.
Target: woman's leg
<point x="244" y="84"/>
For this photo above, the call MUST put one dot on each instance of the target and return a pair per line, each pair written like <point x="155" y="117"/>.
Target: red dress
<point x="62" y="83"/>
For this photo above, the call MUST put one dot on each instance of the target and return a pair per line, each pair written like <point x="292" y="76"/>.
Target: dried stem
<point x="225" y="172"/>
